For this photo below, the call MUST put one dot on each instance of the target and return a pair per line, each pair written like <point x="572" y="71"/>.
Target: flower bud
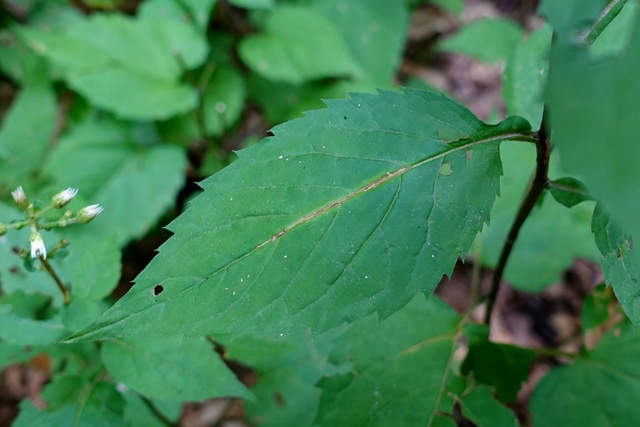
<point x="87" y="214"/>
<point x="37" y="245"/>
<point x="63" y="197"/>
<point x="20" y="198"/>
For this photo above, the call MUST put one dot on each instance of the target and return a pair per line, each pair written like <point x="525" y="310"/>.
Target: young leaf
<point x="171" y="368"/>
<point x="568" y="191"/>
<point x="293" y="48"/>
<point x="404" y="379"/>
<point x="620" y="268"/>
<point x="341" y="214"/>
<point x="601" y="388"/>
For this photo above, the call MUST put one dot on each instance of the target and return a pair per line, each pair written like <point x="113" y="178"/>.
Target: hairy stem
<point x="536" y="187"/>
<point x="52" y="272"/>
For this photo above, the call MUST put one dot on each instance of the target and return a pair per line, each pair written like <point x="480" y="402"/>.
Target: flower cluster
<point x="60" y="200"/>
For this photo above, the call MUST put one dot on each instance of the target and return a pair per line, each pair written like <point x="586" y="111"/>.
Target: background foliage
<point x="312" y="257"/>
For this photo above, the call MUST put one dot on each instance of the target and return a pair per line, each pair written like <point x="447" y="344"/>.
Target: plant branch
<point x="607" y="15"/>
<point x="536" y="187"/>
<point x="52" y="272"/>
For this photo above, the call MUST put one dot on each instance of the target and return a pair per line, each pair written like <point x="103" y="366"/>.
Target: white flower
<point x="20" y="198"/>
<point x="86" y="214"/>
<point x="37" y="245"/>
<point x="63" y="197"/>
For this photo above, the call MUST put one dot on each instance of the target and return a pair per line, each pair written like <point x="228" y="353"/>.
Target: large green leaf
<point x="128" y="66"/>
<point x="551" y="238"/>
<point x="294" y="48"/>
<point x="621" y="270"/>
<point x="594" y="106"/>
<point x="601" y="388"/>
<point x="404" y="379"/>
<point x="105" y="160"/>
<point x="351" y="210"/>
<point x="171" y="368"/>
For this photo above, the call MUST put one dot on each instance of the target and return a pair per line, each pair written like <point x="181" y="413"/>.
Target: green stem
<point x="52" y="272"/>
<point x="536" y="187"/>
<point x="607" y="15"/>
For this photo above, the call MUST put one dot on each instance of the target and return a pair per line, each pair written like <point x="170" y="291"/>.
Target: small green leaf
<point x="403" y="379"/>
<point x="525" y="75"/>
<point x="75" y="401"/>
<point x="171" y="368"/>
<point x="501" y="365"/>
<point x="80" y="312"/>
<point x="294" y="49"/>
<point x="223" y="103"/>
<point x="484" y="410"/>
<point x="601" y="388"/>
<point x="595" y="310"/>
<point x="620" y="268"/>
<point x="341" y="214"/>
<point x="27" y="127"/>
<point x="135" y="80"/>
<point x="96" y="274"/>
<point x="119" y="174"/>
<point x="29" y="319"/>
<point x="146" y="97"/>
<point x="568" y="191"/>
<point x="288" y="370"/>
<point x="374" y="32"/>
<point x="487" y="39"/>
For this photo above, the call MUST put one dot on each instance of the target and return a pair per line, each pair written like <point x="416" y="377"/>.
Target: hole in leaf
<point x="157" y="290"/>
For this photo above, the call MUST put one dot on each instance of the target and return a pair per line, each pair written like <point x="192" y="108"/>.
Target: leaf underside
<point x="348" y="211"/>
